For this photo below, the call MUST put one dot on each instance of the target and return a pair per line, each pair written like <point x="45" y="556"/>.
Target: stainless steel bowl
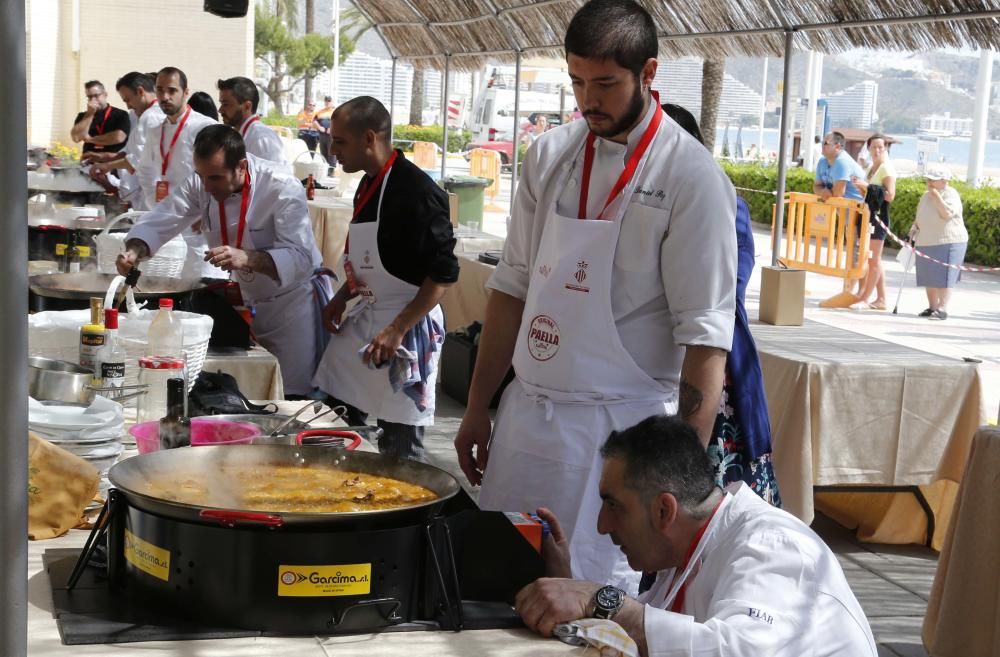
<point x="58" y="380"/>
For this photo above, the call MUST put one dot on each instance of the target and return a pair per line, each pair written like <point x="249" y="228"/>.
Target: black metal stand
<point x="913" y="490"/>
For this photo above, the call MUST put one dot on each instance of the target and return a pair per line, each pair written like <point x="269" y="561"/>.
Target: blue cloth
<point x="322" y="293"/>
<point x="410" y="367"/>
<point x="746" y="381"/>
<point x="842" y="169"/>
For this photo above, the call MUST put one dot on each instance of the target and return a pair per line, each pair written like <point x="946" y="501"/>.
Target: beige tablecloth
<point x="330" y="220"/>
<point x="256" y="371"/>
<point x="465" y="301"/>
<point x="964" y="606"/>
<point x="850" y="409"/>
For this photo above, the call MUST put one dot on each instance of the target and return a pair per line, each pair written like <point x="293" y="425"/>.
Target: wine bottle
<point x="175" y="426"/>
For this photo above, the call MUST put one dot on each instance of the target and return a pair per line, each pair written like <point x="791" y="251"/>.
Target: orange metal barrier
<point x="486" y="164"/>
<point x="425" y="154"/>
<point x="823" y="237"/>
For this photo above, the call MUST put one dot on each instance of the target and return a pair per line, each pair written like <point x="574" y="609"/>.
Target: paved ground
<point x="892" y="582"/>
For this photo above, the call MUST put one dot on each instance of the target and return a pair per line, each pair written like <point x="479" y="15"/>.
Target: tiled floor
<point x="891" y="582"/>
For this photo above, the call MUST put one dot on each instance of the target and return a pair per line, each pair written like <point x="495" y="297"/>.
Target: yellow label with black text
<point x="324" y="581"/>
<point x="147" y="557"/>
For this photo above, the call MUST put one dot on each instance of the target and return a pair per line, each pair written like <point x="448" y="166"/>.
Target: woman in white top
<point x="941" y="234"/>
<point x="881" y="173"/>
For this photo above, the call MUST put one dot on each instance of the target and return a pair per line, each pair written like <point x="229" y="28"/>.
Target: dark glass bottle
<point x="175" y="427"/>
<point x="71" y="257"/>
<point x="310" y="188"/>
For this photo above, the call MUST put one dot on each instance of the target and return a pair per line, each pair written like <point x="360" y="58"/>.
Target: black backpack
<point x="216" y="393"/>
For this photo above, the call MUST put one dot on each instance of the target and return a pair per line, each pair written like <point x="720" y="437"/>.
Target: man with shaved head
<point x="382" y="359"/>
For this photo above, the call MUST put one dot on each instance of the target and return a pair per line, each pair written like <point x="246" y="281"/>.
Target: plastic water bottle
<point x="166" y="333"/>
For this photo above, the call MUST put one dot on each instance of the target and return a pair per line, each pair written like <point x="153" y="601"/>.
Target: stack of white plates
<point x="93" y="432"/>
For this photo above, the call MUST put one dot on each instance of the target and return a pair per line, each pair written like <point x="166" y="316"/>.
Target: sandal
<point x="877" y="305"/>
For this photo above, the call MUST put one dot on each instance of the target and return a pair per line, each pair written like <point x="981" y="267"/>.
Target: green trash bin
<point x="470" y="192"/>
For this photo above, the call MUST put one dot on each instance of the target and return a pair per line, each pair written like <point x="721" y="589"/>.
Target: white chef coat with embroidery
<point x="265" y="143"/>
<point x="766" y="585"/>
<point x="131" y="189"/>
<point x="675" y="263"/>
<point x="277" y="222"/>
<point x="181" y="163"/>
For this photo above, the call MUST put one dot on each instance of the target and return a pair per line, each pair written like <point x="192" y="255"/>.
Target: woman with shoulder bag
<point x="879" y="191"/>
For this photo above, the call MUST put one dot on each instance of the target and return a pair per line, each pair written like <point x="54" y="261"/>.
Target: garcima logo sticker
<point x="543" y="338"/>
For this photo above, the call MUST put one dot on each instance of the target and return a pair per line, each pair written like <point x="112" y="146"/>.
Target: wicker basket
<point x="168" y="261"/>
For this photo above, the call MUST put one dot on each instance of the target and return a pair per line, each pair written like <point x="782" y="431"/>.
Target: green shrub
<point x="287" y="120"/>
<point x="981" y="207"/>
<point x="404" y="135"/>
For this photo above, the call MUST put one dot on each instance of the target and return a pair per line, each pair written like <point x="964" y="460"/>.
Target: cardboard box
<point x="782" y="296"/>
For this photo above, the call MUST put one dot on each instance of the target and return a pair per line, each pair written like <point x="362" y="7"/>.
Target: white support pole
<point x="14" y="338"/>
<point x="786" y="102"/>
<point x="444" y="114"/>
<point x="335" y="82"/>
<point x="807" y="143"/>
<point x="392" y="99"/>
<point x="517" y="127"/>
<point x="980" y="118"/>
<point x="763" y="110"/>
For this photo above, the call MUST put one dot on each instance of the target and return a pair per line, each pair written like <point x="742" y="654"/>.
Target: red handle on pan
<point x="231" y="518"/>
<point x="351" y="439"/>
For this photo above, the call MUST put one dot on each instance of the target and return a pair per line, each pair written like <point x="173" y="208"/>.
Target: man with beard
<point x="615" y="295"/>
<point x="136" y="90"/>
<point x="255" y="219"/>
<point x="167" y="159"/>
<point x="238" y="100"/>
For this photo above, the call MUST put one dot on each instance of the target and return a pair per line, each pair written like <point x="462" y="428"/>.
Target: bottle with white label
<point x="110" y="365"/>
<point x="92" y="334"/>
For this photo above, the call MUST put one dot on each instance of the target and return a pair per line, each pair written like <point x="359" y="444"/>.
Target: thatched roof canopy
<point x="474" y="31"/>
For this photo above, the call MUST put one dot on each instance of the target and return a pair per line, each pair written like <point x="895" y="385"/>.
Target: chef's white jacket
<point x="265" y="143"/>
<point x="674" y="277"/>
<point x="277" y="222"/>
<point x="767" y="585"/>
<point x="142" y="125"/>
<point x="181" y="164"/>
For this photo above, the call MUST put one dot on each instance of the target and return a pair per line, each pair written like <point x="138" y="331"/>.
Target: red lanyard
<point x="678" y="604"/>
<point x="166" y="156"/>
<point x="241" y="228"/>
<point x="630" y="166"/>
<point x="246" y="126"/>
<point x="100" y="128"/>
<point x="366" y="191"/>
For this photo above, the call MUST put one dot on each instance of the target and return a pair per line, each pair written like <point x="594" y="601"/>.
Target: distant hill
<point x="901" y="103"/>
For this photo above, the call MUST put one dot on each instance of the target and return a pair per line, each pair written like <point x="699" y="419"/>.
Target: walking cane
<point x="902" y="281"/>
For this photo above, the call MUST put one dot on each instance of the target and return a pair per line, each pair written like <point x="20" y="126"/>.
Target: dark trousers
<point x="324" y="148"/>
<point x="310" y="137"/>
<point x="402" y="441"/>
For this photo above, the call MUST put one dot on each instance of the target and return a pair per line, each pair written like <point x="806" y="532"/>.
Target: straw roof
<point x="476" y="31"/>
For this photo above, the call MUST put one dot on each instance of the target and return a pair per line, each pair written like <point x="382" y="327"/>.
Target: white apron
<point x="575" y="384"/>
<point x="342" y="373"/>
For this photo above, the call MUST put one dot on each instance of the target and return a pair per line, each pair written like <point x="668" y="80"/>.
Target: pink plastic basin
<point x="204" y="431"/>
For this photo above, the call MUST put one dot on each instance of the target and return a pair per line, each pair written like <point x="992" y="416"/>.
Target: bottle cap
<point x="111" y="318"/>
<point x="166" y="304"/>
<point x="161" y="363"/>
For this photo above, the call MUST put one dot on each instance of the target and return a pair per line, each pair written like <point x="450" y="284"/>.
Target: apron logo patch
<point x="580" y="276"/>
<point x="544" y="270"/>
<point x="543" y="338"/>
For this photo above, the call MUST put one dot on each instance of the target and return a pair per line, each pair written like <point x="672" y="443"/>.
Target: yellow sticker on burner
<point x="147" y="557"/>
<point x="324" y="581"/>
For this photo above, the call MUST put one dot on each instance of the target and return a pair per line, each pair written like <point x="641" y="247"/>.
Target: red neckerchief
<point x="241" y="228"/>
<point x="246" y="126"/>
<point x="166" y="156"/>
<point x="630" y="166"/>
<point x="678" y="604"/>
<point x="366" y="191"/>
<point x="100" y="128"/>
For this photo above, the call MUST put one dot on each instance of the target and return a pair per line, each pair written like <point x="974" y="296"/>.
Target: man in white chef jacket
<point x="238" y="100"/>
<point x="615" y="295"/>
<point x="167" y="158"/>
<point x="734" y="576"/>
<point x="137" y="92"/>
<point x="264" y="240"/>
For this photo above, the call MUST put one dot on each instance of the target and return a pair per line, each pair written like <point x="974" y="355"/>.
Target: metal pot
<point x="84" y="285"/>
<point x="58" y="380"/>
<point x="132" y="476"/>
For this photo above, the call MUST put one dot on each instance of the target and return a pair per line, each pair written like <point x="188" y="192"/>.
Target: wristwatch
<point x="607" y="601"/>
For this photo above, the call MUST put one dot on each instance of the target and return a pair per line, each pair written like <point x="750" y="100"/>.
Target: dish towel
<point x="412" y="365"/>
<point x="607" y="636"/>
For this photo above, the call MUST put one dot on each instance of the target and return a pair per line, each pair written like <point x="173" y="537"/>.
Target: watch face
<point x="607" y="601"/>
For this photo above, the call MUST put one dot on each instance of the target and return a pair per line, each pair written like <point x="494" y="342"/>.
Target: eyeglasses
<point x="829" y="143"/>
<point x="90" y="96"/>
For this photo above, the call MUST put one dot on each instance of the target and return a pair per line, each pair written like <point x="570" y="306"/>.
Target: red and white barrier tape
<point x="920" y="253"/>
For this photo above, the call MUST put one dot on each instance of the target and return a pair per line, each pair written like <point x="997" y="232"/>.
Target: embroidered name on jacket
<point x="761" y="614"/>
